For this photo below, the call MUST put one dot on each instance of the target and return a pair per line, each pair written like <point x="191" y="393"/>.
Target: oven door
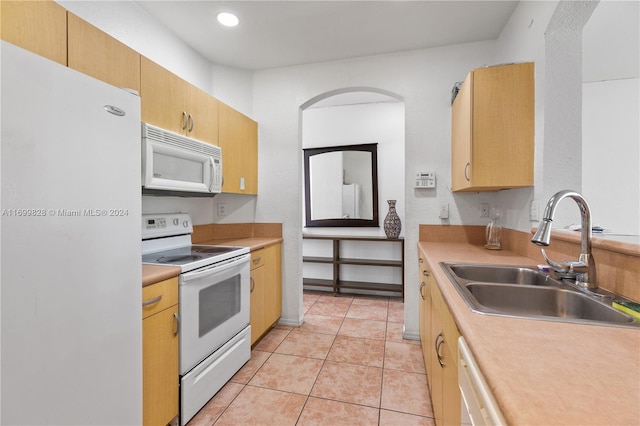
<point x="214" y="307"/>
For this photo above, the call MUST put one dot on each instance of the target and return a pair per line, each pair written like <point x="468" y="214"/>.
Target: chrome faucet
<point x="584" y="269"/>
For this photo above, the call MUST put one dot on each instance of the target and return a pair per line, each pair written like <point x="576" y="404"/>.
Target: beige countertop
<point x="254" y="243"/>
<point x="545" y="372"/>
<point x="152" y="274"/>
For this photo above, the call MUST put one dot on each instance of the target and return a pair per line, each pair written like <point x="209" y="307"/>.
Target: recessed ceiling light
<point x="228" y="19"/>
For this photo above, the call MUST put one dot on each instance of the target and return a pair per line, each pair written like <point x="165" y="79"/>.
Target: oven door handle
<point x="217" y="268"/>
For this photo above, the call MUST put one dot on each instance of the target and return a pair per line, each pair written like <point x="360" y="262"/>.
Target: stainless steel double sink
<point x="525" y="292"/>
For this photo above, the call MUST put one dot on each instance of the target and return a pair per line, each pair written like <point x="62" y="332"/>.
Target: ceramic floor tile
<point x="329" y="309"/>
<point x="394" y="334"/>
<point x="251" y="367"/>
<point x="371" y="301"/>
<point x="214" y="408"/>
<point x="288" y="373"/>
<point x="311" y="345"/>
<point x="322" y="412"/>
<point x="356" y="384"/>
<point x="406" y="392"/>
<point x="335" y="298"/>
<point x="365" y="329"/>
<point x="405" y="357"/>
<point x="393" y="418"/>
<point x="369" y="312"/>
<point x="270" y="342"/>
<point x="259" y="406"/>
<point x="396" y="312"/>
<point x="321" y="324"/>
<point x="357" y="351"/>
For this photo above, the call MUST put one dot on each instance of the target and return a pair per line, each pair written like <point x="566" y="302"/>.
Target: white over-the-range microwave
<point x="173" y="164"/>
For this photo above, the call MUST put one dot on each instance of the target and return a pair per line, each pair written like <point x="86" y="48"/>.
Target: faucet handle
<point x="566" y="268"/>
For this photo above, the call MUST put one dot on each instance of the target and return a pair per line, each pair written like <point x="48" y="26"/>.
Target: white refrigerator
<point x="71" y="332"/>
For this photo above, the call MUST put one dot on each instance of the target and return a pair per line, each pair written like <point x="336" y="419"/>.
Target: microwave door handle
<point x="213" y="173"/>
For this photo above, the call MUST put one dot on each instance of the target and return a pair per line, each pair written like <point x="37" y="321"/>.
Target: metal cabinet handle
<point x="465" y="172"/>
<point x="185" y="120"/>
<point x="253" y="284"/>
<point x="177" y="318"/>
<point x="192" y="122"/>
<point x="439" y="343"/>
<point x="421" y="287"/>
<point x="257" y="260"/>
<point x="425" y="273"/>
<point x="152" y="301"/>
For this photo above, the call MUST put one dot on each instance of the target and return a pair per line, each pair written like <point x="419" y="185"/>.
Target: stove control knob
<point x="185" y="223"/>
<point x="176" y="221"/>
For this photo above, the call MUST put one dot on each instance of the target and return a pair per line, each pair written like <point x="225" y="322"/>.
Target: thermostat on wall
<point x="425" y="180"/>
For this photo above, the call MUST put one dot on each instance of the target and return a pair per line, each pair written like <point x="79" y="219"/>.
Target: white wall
<point x="381" y="123"/>
<point x="611" y="115"/>
<point x="611" y="154"/>
<point x="423" y="79"/>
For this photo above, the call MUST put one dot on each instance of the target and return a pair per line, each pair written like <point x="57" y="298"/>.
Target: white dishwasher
<point x="478" y="405"/>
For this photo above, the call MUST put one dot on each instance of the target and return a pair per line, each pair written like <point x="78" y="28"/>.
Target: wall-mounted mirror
<point x="341" y="186"/>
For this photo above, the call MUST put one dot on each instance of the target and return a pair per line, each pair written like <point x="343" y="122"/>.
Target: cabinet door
<point x="273" y="282"/>
<point x="163" y="97"/>
<point x="257" y="313"/>
<point x="203" y="115"/>
<point x="239" y="143"/>
<point x="99" y="55"/>
<point x="492" y="129"/>
<point x="503" y="121"/>
<point x="160" y="367"/>
<point x="436" y="377"/>
<point x="450" y="390"/>
<point x="425" y="317"/>
<point x="38" y="26"/>
<point x="461" y="136"/>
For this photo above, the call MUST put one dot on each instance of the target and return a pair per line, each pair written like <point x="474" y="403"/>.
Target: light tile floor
<point x="346" y="365"/>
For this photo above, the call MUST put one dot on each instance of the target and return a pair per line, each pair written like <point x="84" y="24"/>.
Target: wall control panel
<point x="425" y="180"/>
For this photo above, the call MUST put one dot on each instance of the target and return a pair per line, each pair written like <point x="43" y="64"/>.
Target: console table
<point x="337" y="261"/>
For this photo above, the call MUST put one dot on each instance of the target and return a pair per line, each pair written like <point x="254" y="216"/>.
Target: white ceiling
<point x="282" y="33"/>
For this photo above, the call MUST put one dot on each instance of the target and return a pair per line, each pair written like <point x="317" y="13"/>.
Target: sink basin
<point x="544" y="301"/>
<point x="524" y="292"/>
<point x="501" y="274"/>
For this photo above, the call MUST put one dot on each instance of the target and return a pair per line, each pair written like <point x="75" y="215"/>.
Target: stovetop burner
<point x="166" y="240"/>
<point x="178" y="260"/>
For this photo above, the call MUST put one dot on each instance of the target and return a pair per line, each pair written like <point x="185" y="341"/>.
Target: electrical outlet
<point x="484" y="209"/>
<point x="533" y="212"/>
<point x="222" y="209"/>
<point x="444" y="211"/>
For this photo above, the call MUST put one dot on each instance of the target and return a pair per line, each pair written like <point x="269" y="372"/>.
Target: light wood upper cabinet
<point x="160" y="369"/>
<point x="38" y="26"/>
<point x="173" y="104"/>
<point x="492" y="132"/>
<point x="239" y="143"/>
<point x="95" y="53"/>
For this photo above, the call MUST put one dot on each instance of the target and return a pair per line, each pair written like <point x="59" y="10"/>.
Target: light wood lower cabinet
<point x="37" y="26"/>
<point x="439" y="337"/>
<point x="266" y="289"/>
<point x="160" y="369"/>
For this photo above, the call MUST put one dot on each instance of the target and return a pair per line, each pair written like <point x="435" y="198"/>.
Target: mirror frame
<point x="340" y="222"/>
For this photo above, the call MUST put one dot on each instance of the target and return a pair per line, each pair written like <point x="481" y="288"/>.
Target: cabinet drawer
<point x="257" y="258"/>
<point x="160" y="296"/>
